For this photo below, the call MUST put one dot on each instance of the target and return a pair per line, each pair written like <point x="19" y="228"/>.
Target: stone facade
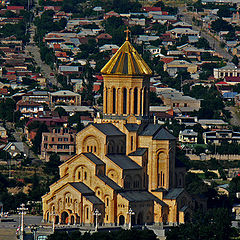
<point x="123" y="160"/>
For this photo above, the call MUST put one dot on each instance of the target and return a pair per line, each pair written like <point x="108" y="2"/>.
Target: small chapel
<point x="124" y="160"/>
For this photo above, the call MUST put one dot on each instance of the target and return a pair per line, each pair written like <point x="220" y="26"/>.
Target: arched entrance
<point x="56" y="219"/>
<point x="77" y="219"/>
<point x="64" y="218"/>
<point x="72" y="220"/>
<point x="140" y="219"/>
<point x="47" y="217"/>
<point x="121" y="220"/>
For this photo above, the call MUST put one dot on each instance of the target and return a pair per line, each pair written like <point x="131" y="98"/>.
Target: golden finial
<point x="127" y="33"/>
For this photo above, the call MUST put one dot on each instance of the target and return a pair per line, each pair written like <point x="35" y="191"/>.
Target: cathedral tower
<point x="126" y="84"/>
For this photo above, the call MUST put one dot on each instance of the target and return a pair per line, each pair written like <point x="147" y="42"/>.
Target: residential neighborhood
<point x="93" y="92"/>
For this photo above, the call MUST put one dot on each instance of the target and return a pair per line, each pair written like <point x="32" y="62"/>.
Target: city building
<point x="188" y="136"/>
<point x="123" y="160"/>
<point x="221" y="136"/>
<point x="230" y="70"/>
<point x="180" y="65"/>
<point x="29" y="108"/>
<point x="60" y="141"/>
<point x="64" y="97"/>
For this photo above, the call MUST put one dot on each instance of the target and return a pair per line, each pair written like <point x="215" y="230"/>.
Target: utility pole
<point x="96" y="214"/>
<point x="130" y="213"/>
<point x="22" y="211"/>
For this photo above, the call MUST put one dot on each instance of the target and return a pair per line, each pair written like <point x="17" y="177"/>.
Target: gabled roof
<point x="164" y="134"/>
<point x="93" y="199"/>
<point x="138" y="152"/>
<point x="150" y="129"/>
<point x="108" y="129"/>
<point x="123" y="161"/>
<point x="174" y="193"/>
<point x="127" y="61"/>
<point x="109" y="182"/>
<point x="140" y="196"/>
<point x="132" y="127"/>
<point x="93" y="158"/>
<point x="81" y="187"/>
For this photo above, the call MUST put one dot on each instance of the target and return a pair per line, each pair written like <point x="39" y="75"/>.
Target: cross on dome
<point x="127" y="33"/>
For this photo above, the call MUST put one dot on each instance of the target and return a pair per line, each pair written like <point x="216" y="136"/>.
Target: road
<point x="214" y="43"/>
<point x="34" y="51"/>
<point x="8" y="229"/>
<point x="235" y="120"/>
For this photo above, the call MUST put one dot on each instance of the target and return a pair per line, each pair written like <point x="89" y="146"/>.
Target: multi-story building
<point x="65" y="97"/>
<point x="123" y="160"/>
<point x="29" y="108"/>
<point x="221" y="136"/>
<point x="60" y="141"/>
<point x="188" y="136"/>
<point x="230" y="70"/>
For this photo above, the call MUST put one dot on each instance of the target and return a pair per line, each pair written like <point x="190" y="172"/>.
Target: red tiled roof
<point x="28" y="103"/>
<point x="167" y="60"/>
<point x="232" y="79"/>
<point x="221" y="83"/>
<point x="152" y="9"/>
<point x="15" y="7"/>
<point x="104" y="36"/>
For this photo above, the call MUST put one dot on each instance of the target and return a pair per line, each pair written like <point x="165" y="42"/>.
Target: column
<point x="128" y="101"/>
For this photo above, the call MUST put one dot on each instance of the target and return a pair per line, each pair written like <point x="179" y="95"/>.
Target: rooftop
<point x="126" y="61"/>
<point x="123" y="161"/>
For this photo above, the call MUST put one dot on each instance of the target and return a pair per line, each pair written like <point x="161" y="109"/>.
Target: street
<point x="214" y="44"/>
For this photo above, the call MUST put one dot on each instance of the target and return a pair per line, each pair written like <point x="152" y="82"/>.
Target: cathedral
<point x="124" y="160"/>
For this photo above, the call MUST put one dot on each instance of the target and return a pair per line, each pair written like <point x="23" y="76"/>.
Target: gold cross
<point x="127" y="33"/>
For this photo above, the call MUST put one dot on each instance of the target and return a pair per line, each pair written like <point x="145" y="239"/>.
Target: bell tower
<point x="126" y="83"/>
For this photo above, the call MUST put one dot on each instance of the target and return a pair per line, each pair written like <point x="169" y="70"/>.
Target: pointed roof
<point x="127" y="61"/>
<point x="164" y="134"/>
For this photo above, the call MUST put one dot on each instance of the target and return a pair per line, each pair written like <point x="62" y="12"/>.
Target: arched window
<point x="85" y="175"/>
<point x="91" y="148"/>
<point x="135" y="101"/>
<point x="131" y="143"/>
<point x="107" y="202"/>
<point x="79" y="175"/>
<point x="87" y="213"/>
<point x="114" y="100"/>
<point x="145" y="102"/>
<point x="95" y="149"/>
<point x="124" y="101"/>
<point x="87" y="148"/>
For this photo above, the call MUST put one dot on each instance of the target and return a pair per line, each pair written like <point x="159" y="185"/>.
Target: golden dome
<point x="127" y="61"/>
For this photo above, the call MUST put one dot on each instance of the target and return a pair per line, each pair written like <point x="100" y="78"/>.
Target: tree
<point x="221" y="25"/>
<point x="38" y="138"/>
<point x="154" y="100"/>
<point x="234" y="185"/>
<point x="202" y="43"/>
<point x="235" y="60"/>
<point x="51" y="167"/>
<point x="113" y="235"/>
<point x="61" y="111"/>
<point x="215" y="224"/>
